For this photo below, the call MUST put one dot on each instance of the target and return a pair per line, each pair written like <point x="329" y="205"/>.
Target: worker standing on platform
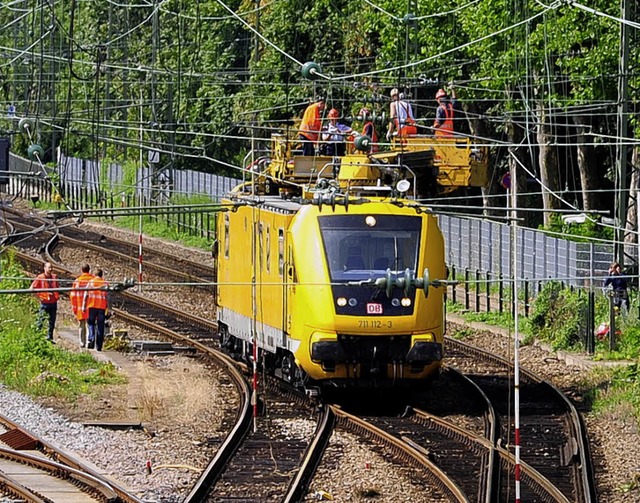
<point x="443" y="124"/>
<point x="311" y="126"/>
<point x="48" y="300"/>
<point x="96" y="302"/>
<point x="335" y="135"/>
<point x="402" y="121"/>
<point x="76" y="296"/>
<point x="368" y="128"/>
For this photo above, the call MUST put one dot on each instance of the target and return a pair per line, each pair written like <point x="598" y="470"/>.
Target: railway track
<point x="35" y="471"/>
<point x="275" y="460"/>
<point x="24" y="227"/>
<point x="228" y="474"/>
<point x="553" y="438"/>
<point x="565" y="480"/>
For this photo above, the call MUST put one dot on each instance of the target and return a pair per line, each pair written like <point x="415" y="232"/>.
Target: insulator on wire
<point x="362" y="143"/>
<point x="26" y="125"/>
<point x="35" y="151"/>
<point x="310" y="70"/>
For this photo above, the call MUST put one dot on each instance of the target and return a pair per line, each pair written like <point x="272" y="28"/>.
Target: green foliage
<point x="620" y="393"/>
<point x="118" y="343"/>
<point x="579" y="232"/>
<point x="558" y="316"/>
<point x="32" y="365"/>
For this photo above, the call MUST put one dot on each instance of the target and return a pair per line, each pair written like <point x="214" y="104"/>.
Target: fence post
<point x="467" y="275"/>
<point x="591" y="315"/>
<point x="477" y="290"/>
<point x="526" y="297"/>
<point x="453" y="287"/>
<point x="612" y="322"/>
<point x="500" y="293"/>
<point x="488" y="292"/>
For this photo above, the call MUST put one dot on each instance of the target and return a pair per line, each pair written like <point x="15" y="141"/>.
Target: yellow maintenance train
<point x="333" y="267"/>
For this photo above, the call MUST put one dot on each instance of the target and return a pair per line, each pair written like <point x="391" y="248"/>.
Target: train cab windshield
<point x="363" y="247"/>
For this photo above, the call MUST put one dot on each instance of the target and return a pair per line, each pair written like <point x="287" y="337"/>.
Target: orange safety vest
<point x="311" y="124"/>
<point x="76" y="297"/>
<point x="370" y="130"/>
<point x="408" y="124"/>
<point x="43" y="281"/>
<point x="445" y="130"/>
<point x="96" y="299"/>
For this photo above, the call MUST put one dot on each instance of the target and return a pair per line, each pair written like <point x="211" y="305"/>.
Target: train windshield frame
<point x="362" y="247"/>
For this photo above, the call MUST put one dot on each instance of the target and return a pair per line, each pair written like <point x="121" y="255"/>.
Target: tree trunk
<point x="631" y="228"/>
<point x="548" y="159"/>
<point x="586" y="164"/>
<point x="478" y="129"/>
<point x="519" y="159"/>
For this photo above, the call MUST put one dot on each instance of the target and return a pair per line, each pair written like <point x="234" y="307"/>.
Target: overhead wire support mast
<point x="623" y="129"/>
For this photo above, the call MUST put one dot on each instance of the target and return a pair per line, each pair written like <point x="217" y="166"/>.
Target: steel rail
<point x="300" y="484"/>
<point x="412" y="455"/>
<point x="65" y="459"/>
<point x="10" y="486"/>
<point x="489" y="486"/>
<point x="64" y="470"/>
<point x="586" y="481"/>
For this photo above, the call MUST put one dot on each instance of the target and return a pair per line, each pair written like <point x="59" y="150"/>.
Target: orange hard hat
<point x="441" y="94"/>
<point x="333" y="113"/>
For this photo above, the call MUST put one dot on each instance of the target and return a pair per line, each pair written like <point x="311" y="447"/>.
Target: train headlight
<point x="395" y="302"/>
<point x="341" y="301"/>
<point x="406" y="302"/>
<point x="403" y="186"/>
<point x="370" y="220"/>
<point x="353" y="302"/>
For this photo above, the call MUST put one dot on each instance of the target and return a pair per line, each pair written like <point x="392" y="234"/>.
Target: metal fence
<point x="471" y="244"/>
<point x="486" y="246"/>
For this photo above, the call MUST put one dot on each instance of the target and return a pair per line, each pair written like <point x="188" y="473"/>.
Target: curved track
<point x="553" y="437"/>
<point x="557" y="457"/>
<point x="228" y="474"/>
<point x="34" y="470"/>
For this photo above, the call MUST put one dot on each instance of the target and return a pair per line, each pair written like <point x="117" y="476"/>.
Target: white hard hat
<point x="394" y="92"/>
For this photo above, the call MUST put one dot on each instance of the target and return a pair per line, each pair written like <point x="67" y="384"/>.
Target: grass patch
<point x="616" y="392"/>
<point x="169" y="228"/>
<point x="504" y="319"/>
<point x="32" y="365"/>
<point x="160" y="229"/>
<point x="180" y="399"/>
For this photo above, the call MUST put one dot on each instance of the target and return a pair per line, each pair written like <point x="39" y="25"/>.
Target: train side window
<point x="281" y="252"/>
<point x="268" y="248"/>
<point x="226" y="235"/>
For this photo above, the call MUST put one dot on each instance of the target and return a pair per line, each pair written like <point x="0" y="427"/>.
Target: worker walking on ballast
<point x="96" y="302"/>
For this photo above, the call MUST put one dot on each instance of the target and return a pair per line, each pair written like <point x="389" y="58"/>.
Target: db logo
<point x="374" y="308"/>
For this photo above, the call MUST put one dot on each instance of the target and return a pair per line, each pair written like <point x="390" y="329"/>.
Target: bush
<point x="559" y="316"/>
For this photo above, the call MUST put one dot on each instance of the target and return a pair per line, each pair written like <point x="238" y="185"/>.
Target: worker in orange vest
<point x="368" y="128"/>
<point x="443" y="125"/>
<point x="96" y="302"/>
<point x="76" y="297"/>
<point x="402" y="122"/>
<point x="311" y="126"/>
<point x="48" y="300"/>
